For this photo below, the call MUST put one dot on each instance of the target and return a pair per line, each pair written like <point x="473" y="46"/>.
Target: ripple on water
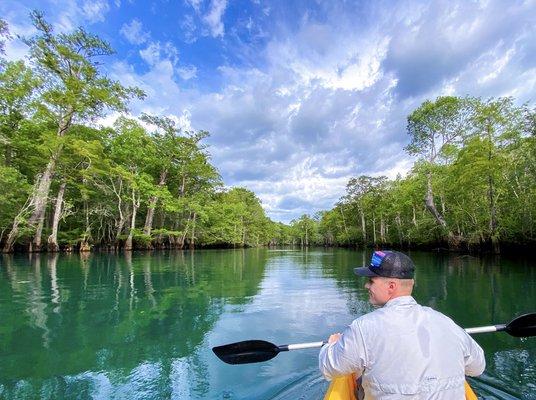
<point x="310" y="385"/>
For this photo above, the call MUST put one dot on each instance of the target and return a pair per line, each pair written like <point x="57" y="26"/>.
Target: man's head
<point x="390" y="275"/>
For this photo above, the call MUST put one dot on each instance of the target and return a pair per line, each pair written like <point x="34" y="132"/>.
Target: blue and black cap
<point x="389" y="264"/>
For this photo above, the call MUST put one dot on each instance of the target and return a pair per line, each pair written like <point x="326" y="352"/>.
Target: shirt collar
<point x="400" y="301"/>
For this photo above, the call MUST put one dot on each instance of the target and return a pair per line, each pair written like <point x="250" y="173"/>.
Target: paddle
<point x="522" y="326"/>
<point x="253" y="351"/>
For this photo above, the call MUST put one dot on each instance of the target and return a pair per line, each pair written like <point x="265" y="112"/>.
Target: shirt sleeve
<point x="345" y="356"/>
<point x="475" y="362"/>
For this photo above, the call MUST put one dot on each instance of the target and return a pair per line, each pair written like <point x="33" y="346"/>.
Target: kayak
<point x="345" y="387"/>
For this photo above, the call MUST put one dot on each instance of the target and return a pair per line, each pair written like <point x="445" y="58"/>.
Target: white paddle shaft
<point x="480" y="329"/>
<point x="310" y="345"/>
<point x="485" y="329"/>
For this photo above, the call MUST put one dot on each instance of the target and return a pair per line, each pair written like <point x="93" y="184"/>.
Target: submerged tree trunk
<point x="53" y="238"/>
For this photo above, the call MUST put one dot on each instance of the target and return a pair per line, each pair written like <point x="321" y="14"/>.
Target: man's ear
<point x="393" y="285"/>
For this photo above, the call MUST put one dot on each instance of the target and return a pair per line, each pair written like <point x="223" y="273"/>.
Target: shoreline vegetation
<point x="68" y="184"/>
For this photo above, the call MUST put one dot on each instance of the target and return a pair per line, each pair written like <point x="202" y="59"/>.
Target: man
<point x="402" y="350"/>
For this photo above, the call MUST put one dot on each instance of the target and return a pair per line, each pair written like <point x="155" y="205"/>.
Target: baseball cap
<point x="389" y="264"/>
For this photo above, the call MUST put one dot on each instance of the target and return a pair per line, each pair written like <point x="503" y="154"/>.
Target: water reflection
<point x="141" y="325"/>
<point x="139" y="318"/>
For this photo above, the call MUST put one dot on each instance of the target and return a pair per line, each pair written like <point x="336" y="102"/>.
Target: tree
<point x="434" y="128"/>
<point x="17" y="86"/>
<point x="175" y="152"/>
<point x="496" y="122"/>
<point x="4" y="34"/>
<point x="73" y="89"/>
<point x="131" y="151"/>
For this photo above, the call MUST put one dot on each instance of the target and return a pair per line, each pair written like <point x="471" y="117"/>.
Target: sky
<point x="300" y="96"/>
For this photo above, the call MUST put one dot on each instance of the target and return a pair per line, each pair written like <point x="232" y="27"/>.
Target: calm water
<point x="141" y="326"/>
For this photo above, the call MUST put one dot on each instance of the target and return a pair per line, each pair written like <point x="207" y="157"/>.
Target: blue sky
<point x="299" y="96"/>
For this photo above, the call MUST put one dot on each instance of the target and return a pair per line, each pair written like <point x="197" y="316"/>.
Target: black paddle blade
<point x="523" y="326"/>
<point x="246" y="352"/>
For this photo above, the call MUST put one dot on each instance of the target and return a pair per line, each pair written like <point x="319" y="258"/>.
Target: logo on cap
<point x="377" y="258"/>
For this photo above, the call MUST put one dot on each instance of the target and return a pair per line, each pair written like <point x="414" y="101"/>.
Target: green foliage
<point x="149" y="186"/>
<point x="479" y="157"/>
<point x="66" y="64"/>
<point x="4" y="34"/>
<point x="12" y="196"/>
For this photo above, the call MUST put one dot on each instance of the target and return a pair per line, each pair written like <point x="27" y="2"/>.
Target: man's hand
<point x="333" y="338"/>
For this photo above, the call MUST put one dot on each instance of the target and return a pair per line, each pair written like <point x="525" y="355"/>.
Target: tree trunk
<point x="243" y="232"/>
<point x="84" y="245"/>
<point x="135" y="206"/>
<point x="13" y="234"/>
<point x="399" y="228"/>
<point x="35" y="245"/>
<point x="363" y="227"/>
<point x="430" y="205"/>
<point x="53" y="238"/>
<point x="152" y="204"/>
<point x="344" y="224"/>
<point x="192" y="241"/>
<point x="382" y="230"/>
<point x="40" y="196"/>
<point x="374" y="229"/>
<point x="40" y="199"/>
<point x="492" y="209"/>
<point x="183" y="237"/>
<point x="121" y="223"/>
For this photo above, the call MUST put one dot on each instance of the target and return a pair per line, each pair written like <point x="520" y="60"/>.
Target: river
<point x="142" y="325"/>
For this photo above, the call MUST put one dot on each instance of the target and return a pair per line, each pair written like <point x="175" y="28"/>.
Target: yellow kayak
<point x="344" y="388"/>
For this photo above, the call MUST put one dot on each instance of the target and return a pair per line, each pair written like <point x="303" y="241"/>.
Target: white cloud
<point x="156" y="53"/>
<point x="134" y="33"/>
<point x="151" y="54"/>
<point x="323" y="100"/>
<point x="196" y="4"/>
<point x="189" y="29"/>
<point x="214" y="17"/>
<point x="95" y="10"/>
<point x="187" y="72"/>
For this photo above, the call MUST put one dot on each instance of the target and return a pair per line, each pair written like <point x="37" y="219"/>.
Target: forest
<point x="69" y="184"/>
<point x="472" y="186"/>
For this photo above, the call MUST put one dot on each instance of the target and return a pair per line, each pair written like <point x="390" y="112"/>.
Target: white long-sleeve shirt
<point x="405" y="351"/>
